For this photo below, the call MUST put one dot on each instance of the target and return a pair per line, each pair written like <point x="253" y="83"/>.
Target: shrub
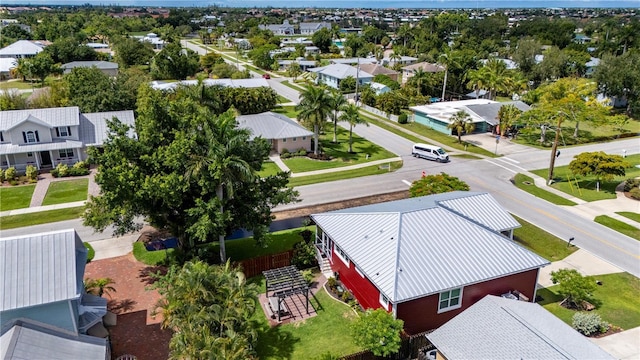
<point x="302" y="152"/>
<point x="346" y="296"/>
<point x="10" y="174"/>
<point x="635" y="193"/>
<point x="61" y="170"/>
<point x="91" y="253"/>
<point x="1" y="175"/>
<point x="79" y="169"/>
<point x="284" y="151"/>
<point x="378" y="331"/>
<point x="308" y="276"/>
<point x="403" y="118"/>
<point x="630" y="184"/>
<point x="32" y="173"/>
<point x="332" y="283"/>
<point x="589" y="323"/>
<point x="304" y="255"/>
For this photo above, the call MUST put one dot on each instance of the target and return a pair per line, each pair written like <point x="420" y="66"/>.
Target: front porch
<point x="41" y="160"/>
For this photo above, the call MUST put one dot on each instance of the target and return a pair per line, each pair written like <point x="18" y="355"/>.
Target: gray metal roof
<point x="28" y="340"/>
<point x="21" y="47"/>
<point x="341" y="71"/>
<point x="246" y="83"/>
<point x="407" y="247"/>
<point x="271" y="125"/>
<point x="51" y="117"/>
<point x="93" y="126"/>
<point x="425" y="66"/>
<point x="489" y="112"/>
<point x="500" y="328"/>
<point x="39" y="268"/>
<point x="376" y="69"/>
<point x="483" y="209"/>
<point x="102" y="65"/>
<point x="35" y="147"/>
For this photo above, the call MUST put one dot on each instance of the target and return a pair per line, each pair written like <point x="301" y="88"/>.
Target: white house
<point x="332" y="75"/>
<point x="153" y="39"/>
<point x="279" y="130"/>
<point x="279" y="29"/>
<point x="410" y="70"/>
<point x="311" y="28"/>
<point x="106" y="67"/>
<point x="22" y="49"/>
<point x="45" y="137"/>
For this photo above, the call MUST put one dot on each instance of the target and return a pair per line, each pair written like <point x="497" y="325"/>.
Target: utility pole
<point x="554" y="151"/>
<point x="357" y="77"/>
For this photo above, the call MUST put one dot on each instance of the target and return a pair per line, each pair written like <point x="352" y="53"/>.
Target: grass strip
<point x="541" y="242"/>
<point x="15" y="197"/>
<point x="619" y="226"/>
<point x="66" y="191"/>
<point x="342" y="175"/>
<point x="525" y="183"/>
<point x="42" y="217"/>
<point x="630" y="215"/>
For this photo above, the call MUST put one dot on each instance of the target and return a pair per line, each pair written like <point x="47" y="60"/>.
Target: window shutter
<point x="1" y="136"/>
<point x="58" y="132"/>
<point x="24" y="136"/>
<point x="37" y="137"/>
<point x="68" y="130"/>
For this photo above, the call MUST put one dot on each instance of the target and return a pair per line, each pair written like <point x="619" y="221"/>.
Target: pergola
<point x="284" y="282"/>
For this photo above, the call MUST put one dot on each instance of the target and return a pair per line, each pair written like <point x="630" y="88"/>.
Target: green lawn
<point x="588" y="133"/>
<point x="294" y="87"/>
<point x="66" y="191"/>
<point x="282" y="99"/>
<point x="541" y="242"/>
<point x="19" y="84"/>
<point x="618" y="226"/>
<point x="43" y="217"/>
<point x="525" y="183"/>
<point x="585" y="188"/>
<point x="15" y="197"/>
<point x="288" y="111"/>
<point x="617" y="300"/>
<point x="347" y="174"/>
<point x="385" y="125"/>
<point x="268" y="168"/>
<point x="237" y="250"/>
<point x="339" y="153"/>
<point x="631" y="215"/>
<point x="326" y="332"/>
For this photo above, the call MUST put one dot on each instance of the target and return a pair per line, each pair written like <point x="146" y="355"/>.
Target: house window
<point x="66" y="153"/>
<point x="304" y="138"/>
<point x="450" y="300"/>
<point x="29" y="154"/>
<point x="294" y="139"/>
<point x="284" y="140"/>
<point x="63" y="131"/>
<point x="342" y="255"/>
<point x="31" y="137"/>
<point x="384" y="301"/>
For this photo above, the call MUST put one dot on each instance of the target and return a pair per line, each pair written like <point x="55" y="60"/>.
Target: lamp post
<point x="554" y="150"/>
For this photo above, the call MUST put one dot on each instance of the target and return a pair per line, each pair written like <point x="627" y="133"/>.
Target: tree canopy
<point x="172" y="174"/>
<point x="437" y="184"/>
<point x="573" y="286"/>
<point x="378" y="331"/>
<point x="599" y="164"/>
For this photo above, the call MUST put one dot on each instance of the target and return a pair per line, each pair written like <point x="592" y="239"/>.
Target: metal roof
<point x="21" y="47"/>
<point x="35" y="147"/>
<point x="246" y="83"/>
<point x="489" y="112"/>
<point x="271" y="125"/>
<point x="500" y="328"/>
<point x="424" y="66"/>
<point x="39" y="268"/>
<point x="341" y="71"/>
<point x="6" y="64"/>
<point x="50" y="117"/>
<point x="103" y="65"/>
<point x="27" y="340"/>
<point x="483" y="209"/>
<point x="94" y="129"/>
<point x="376" y="69"/>
<point x="407" y="248"/>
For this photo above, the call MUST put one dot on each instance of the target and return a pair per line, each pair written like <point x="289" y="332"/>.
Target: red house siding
<point x="422" y="314"/>
<point x="367" y="294"/>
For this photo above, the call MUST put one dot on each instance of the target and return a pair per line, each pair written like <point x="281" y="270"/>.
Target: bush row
<point x="11" y="175"/>
<point x="285" y="154"/>
<point x="78" y="169"/>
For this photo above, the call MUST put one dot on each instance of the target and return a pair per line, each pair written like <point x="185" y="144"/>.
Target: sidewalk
<point x="346" y="168"/>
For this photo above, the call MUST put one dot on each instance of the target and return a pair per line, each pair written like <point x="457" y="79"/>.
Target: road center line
<point x="406" y="182"/>
<point x="504" y="167"/>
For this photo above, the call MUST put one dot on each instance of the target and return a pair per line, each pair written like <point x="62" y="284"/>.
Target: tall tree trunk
<point x="335" y="127"/>
<point x="223" y="250"/>
<point x="350" y="138"/>
<point x="316" y="130"/>
<point x="575" y="131"/>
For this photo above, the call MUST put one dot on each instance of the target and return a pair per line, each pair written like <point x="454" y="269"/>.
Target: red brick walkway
<point x="136" y="333"/>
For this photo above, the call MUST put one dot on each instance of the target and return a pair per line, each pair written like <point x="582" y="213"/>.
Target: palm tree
<point x="99" y="286"/>
<point x="478" y="79"/>
<point x="337" y="101"/>
<point x="351" y="115"/>
<point x="461" y="122"/>
<point x="419" y="80"/>
<point x="314" y="109"/>
<point x="508" y="115"/>
<point x="498" y="76"/>
<point x="218" y="162"/>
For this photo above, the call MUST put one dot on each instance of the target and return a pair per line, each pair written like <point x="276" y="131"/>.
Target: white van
<point x="429" y="152"/>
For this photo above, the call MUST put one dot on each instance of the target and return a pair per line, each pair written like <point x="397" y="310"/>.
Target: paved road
<point x="284" y="90"/>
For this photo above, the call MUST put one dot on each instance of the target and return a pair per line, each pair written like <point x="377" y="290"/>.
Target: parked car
<point x="266" y="76"/>
<point x="429" y="152"/>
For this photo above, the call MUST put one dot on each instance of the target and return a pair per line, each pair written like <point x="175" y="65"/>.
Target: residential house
<point x="304" y="64"/>
<point x="6" y="65"/>
<point x="311" y="27"/>
<point x="22" y="49"/>
<point x="245" y="83"/>
<point x="44" y="301"/>
<point x="489" y="112"/>
<point x="279" y="29"/>
<point x="503" y="328"/>
<point x="410" y="70"/>
<point x="353" y="61"/>
<point x="106" y="67"/>
<point x="375" y="69"/>
<point x="45" y="137"/>
<point x="279" y="130"/>
<point x="438" y="115"/>
<point x="153" y="39"/>
<point x="404" y="61"/>
<point x="510" y="64"/>
<point x="379" y="88"/>
<point x="478" y="94"/>
<point x="591" y="66"/>
<point x="426" y="259"/>
<point x="332" y="75"/>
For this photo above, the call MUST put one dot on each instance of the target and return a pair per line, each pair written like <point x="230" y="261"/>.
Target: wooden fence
<point x="411" y="347"/>
<point x="255" y="266"/>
